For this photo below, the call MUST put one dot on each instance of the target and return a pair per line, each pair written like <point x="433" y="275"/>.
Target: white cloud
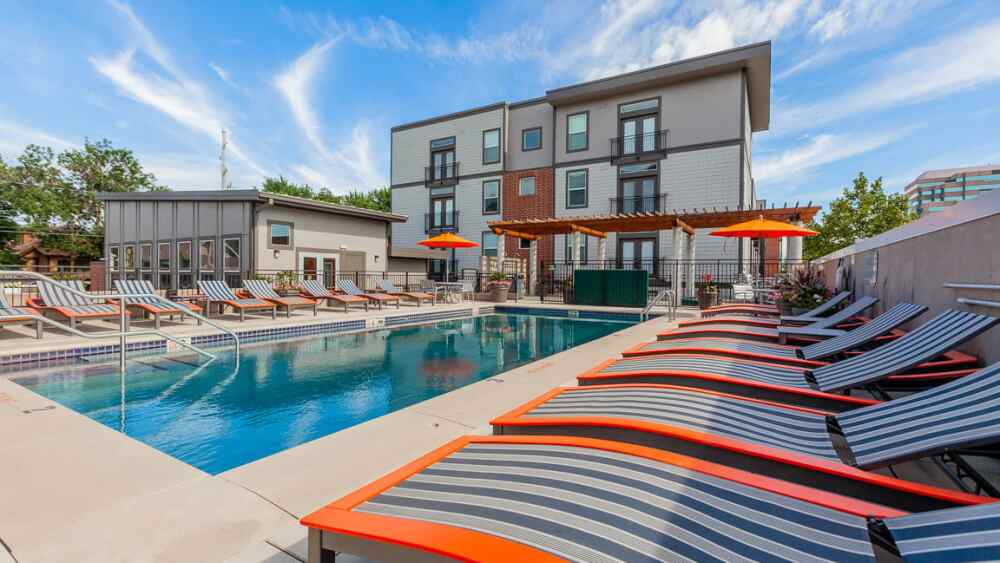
<point x="960" y="61"/>
<point x="295" y="85"/>
<point x="819" y="151"/>
<point x="851" y="16"/>
<point x="171" y="93"/>
<point x="223" y="75"/>
<point x="14" y="137"/>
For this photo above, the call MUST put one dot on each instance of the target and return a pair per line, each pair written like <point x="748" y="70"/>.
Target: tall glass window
<point x="231" y="258"/>
<point x="206" y="256"/>
<point x="114" y="258"/>
<point x="583" y="248"/>
<point x="146" y="257"/>
<point x="489" y="244"/>
<point x="491" y="146"/>
<point x="576" y="132"/>
<point x="576" y="188"/>
<point x="491" y="197"/>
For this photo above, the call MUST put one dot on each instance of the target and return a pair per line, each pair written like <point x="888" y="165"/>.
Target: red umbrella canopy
<point x="763" y="228"/>
<point x="448" y="240"/>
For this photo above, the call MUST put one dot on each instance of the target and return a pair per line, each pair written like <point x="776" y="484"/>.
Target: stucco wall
<point x="361" y="243"/>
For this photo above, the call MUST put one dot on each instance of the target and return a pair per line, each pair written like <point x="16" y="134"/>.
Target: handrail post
<point x="121" y="338"/>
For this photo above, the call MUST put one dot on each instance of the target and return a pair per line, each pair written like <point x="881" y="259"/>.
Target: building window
<point x="129" y="257"/>
<point x="641" y="105"/>
<point x="231" y="254"/>
<point x="576" y="132"/>
<point x="184" y="256"/>
<point x="146" y="257"/>
<point x="442" y="143"/>
<point x="491" y="197"/>
<point x="526" y="185"/>
<point x="206" y="256"/>
<point x="114" y="255"/>
<point x="576" y="188"/>
<point x="280" y="234"/>
<point x="523" y="244"/>
<point x="583" y="248"/>
<point x="491" y="146"/>
<point x="531" y="139"/>
<point x="490" y="244"/>
<point x="163" y="264"/>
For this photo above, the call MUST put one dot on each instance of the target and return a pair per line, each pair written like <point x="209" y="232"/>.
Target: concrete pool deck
<point x="75" y="490"/>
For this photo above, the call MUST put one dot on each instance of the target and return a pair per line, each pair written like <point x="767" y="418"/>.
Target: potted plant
<point x="801" y="290"/>
<point x="708" y="294"/>
<point x="284" y="282"/>
<point x="498" y="287"/>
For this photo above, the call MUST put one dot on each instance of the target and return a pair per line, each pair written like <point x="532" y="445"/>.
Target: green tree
<point x="378" y="199"/>
<point x="55" y="196"/>
<point x="863" y="211"/>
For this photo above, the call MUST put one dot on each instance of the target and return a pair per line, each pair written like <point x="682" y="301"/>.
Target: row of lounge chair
<point x="62" y="300"/>
<point x="711" y="446"/>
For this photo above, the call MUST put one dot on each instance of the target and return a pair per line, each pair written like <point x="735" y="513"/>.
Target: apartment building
<point x="936" y="190"/>
<point x="676" y="136"/>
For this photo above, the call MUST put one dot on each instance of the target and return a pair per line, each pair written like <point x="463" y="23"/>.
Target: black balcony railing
<point x="441" y="222"/>
<point x="637" y="204"/>
<point x="640" y="147"/>
<point x="441" y="175"/>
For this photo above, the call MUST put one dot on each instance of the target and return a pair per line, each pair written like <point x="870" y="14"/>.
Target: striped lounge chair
<point x="54" y="298"/>
<point x="262" y="290"/>
<point x="772" y="310"/>
<point x="806" y="356"/>
<point x="315" y="290"/>
<point x="843" y="316"/>
<point x="547" y="499"/>
<point x="814" y="388"/>
<point x="417" y="296"/>
<point x="20" y="315"/>
<point x="834" y="451"/>
<point x="152" y="306"/>
<point x="216" y="291"/>
<point x="764" y="331"/>
<point x="349" y="288"/>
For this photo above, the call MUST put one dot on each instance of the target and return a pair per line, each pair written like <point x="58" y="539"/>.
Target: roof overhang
<point x="755" y="59"/>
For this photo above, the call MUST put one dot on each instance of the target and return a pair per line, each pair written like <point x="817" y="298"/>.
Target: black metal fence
<point x="555" y="282"/>
<point x="474" y="280"/>
<point x="637" y="204"/>
<point x="633" y="147"/>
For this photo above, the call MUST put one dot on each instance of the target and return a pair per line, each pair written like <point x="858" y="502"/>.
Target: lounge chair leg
<point x="243" y="315"/>
<point x="38" y="330"/>
<point x="274" y="313"/>
<point x="316" y="309"/>
<point x="72" y="322"/>
<point x="156" y="321"/>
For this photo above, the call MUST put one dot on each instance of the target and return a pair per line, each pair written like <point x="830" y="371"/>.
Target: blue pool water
<point x="287" y="393"/>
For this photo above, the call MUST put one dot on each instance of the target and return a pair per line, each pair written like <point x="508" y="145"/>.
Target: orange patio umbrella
<point x="763" y="228"/>
<point x="447" y="240"/>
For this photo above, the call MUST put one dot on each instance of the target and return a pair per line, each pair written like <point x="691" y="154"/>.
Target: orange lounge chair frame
<point x="74" y="316"/>
<point x="404" y="534"/>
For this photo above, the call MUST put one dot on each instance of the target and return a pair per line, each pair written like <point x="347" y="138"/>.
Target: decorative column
<point x="690" y="267"/>
<point x="602" y="247"/>
<point x="575" y="249"/>
<point x="532" y="267"/>
<point x="795" y="246"/>
<point x="675" y="278"/>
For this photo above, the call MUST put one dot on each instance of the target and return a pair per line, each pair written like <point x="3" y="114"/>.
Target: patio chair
<point x="429" y="286"/>
<point x="834" y="451"/>
<point x="805" y="356"/>
<point x="812" y="388"/>
<point x="150" y="305"/>
<point x="54" y="297"/>
<point x="751" y="329"/>
<point x="547" y="499"/>
<point x="843" y="316"/>
<point x="417" y="296"/>
<point x="347" y="286"/>
<point x="20" y="315"/>
<point x="315" y="290"/>
<point x="772" y="310"/>
<point x="261" y="289"/>
<point x="217" y="292"/>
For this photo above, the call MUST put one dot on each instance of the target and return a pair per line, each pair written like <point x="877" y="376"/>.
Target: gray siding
<point x="527" y="117"/>
<point x="413" y="201"/>
<point x="411" y="147"/>
<point x="471" y="221"/>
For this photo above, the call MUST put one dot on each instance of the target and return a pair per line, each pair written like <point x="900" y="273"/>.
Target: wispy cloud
<point x="959" y="61"/>
<point x="170" y="91"/>
<point x="818" y="151"/>
<point x="14" y="137"/>
<point x="352" y="164"/>
<point x="223" y="75"/>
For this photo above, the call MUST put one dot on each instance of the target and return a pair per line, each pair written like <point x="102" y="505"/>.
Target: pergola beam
<point x="515" y="234"/>
<point x="684" y="226"/>
<point x="587" y="231"/>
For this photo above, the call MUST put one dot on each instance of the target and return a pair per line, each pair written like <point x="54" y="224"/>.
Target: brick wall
<point x="538" y="206"/>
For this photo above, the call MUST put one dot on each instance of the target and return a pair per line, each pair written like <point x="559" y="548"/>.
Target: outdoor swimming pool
<point x="287" y="393"/>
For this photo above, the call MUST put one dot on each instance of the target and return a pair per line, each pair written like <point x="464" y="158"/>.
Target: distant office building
<point x="935" y="190"/>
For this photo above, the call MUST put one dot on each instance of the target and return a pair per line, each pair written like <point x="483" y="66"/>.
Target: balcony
<point x="638" y="204"/>
<point x="635" y="148"/>
<point x="441" y="175"/>
<point x="436" y="223"/>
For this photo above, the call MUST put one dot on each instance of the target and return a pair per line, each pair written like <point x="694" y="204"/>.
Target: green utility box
<point x="613" y="288"/>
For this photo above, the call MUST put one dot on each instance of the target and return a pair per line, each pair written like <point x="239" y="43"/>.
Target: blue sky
<point x="310" y="89"/>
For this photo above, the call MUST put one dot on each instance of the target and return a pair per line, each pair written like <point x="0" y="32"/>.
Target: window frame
<point x="212" y="256"/>
<point x="540" y="138"/>
<point x="129" y="257"/>
<point x="142" y="247"/>
<point x="496" y="247"/>
<point x="499" y="144"/>
<point x="586" y="188"/>
<point x="291" y="235"/>
<point x="521" y="244"/>
<point x="239" y="254"/>
<point x="586" y="131"/>
<point x="534" y="183"/>
<point x="115" y="258"/>
<point x="499" y="189"/>
<point x="190" y="247"/>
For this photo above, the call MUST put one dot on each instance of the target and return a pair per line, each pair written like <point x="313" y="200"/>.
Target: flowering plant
<point x="802" y="288"/>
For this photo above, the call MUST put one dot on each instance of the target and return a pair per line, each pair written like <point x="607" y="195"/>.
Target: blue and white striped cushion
<point x="313" y="287"/>
<point x="135" y="287"/>
<point x="963" y="411"/>
<point x="584" y="504"/>
<point x="261" y="289"/>
<point x="216" y="290"/>
<point x="92" y="309"/>
<point x="968" y="533"/>
<point x="54" y="294"/>
<point x="883" y="324"/>
<point x="940" y="334"/>
<point x="723" y="345"/>
<point x="702" y="412"/>
<point x="348" y="287"/>
<point x="250" y="302"/>
<point x="667" y="364"/>
<point x="15" y="312"/>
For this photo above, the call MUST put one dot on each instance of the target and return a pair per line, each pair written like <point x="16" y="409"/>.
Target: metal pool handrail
<point x="122" y="334"/>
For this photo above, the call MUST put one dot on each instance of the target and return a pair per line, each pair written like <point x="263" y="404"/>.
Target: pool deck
<point x="75" y="490"/>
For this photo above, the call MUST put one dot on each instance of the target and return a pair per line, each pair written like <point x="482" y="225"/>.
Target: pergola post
<point x="501" y="251"/>
<point x="795" y="247"/>
<point x="675" y="278"/>
<point x="690" y="266"/>
<point x="532" y="266"/>
<point x="602" y="247"/>
<point x="575" y="249"/>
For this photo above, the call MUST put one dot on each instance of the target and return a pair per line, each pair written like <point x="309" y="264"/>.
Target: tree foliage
<point x="863" y="211"/>
<point x="55" y="196"/>
<point x="378" y="199"/>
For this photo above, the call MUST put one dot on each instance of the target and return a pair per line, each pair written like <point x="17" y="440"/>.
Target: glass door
<point x="638" y="195"/>
<point x="638" y="134"/>
<point x="637" y="254"/>
<point x="443" y="164"/>
<point x="442" y="213"/>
